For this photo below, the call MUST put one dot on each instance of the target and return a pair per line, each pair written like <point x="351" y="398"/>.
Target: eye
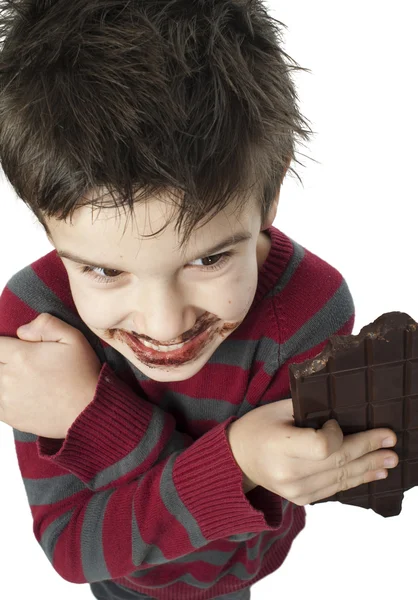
<point x="218" y="264"/>
<point x="91" y="272"/>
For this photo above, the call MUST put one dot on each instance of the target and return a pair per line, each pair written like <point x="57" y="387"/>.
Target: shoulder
<point x="47" y="269"/>
<point x="42" y="286"/>
<point x="311" y="301"/>
<point x="313" y="278"/>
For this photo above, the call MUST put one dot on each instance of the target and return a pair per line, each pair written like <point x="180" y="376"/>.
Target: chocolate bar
<point x="367" y="381"/>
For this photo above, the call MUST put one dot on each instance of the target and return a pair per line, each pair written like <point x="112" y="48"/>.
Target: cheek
<point x="238" y="295"/>
<point x="94" y="310"/>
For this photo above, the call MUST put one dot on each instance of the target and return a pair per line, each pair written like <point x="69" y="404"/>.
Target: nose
<point x="164" y="316"/>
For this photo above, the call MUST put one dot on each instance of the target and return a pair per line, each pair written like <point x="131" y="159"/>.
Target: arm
<point x="173" y="495"/>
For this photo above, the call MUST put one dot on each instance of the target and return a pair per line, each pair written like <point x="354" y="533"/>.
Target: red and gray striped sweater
<point x="144" y="490"/>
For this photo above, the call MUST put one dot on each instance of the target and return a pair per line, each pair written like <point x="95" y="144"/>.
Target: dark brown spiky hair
<point x="131" y="99"/>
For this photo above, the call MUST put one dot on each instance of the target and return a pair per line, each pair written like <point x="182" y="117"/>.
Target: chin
<point x="171" y="374"/>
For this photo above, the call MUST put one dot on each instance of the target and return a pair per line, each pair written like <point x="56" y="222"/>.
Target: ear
<point x="268" y="221"/>
<point x="46" y="230"/>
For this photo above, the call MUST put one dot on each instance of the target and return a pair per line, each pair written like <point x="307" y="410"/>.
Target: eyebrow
<point x="232" y="240"/>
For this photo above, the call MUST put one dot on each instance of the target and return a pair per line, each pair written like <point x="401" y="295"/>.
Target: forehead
<point x="147" y="218"/>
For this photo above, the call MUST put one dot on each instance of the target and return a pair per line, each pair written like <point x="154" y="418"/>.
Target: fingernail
<point x="387" y="442"/>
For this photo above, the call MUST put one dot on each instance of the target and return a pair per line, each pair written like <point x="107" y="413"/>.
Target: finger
<point x="311" y="444"/>
<point x="358" y="472"/>
<point x="359" y="444"/>
<point x="9" y="345"/>
<point x="329" y="449"/>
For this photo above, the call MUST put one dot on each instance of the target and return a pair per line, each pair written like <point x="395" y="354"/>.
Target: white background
<point x="357" y="211"/>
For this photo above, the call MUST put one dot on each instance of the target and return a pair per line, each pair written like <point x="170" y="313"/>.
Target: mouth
<point x="171" y="354"/>
<point x="178" y="342"/>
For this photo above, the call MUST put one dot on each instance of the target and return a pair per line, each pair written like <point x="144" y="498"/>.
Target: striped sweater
<point x="144" y="490"/>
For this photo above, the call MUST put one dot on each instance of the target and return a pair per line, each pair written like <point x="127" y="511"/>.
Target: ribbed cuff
<point x="108" y="429"/>
<point x="209" y="482"/>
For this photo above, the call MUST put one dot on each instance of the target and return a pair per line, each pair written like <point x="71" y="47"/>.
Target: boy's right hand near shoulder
<point x="304" y="465"/>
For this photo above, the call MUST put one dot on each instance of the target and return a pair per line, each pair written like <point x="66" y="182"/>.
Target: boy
<point x="144" y="455"/>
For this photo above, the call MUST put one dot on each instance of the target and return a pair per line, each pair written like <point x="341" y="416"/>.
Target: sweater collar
<point x="275" y="264"/>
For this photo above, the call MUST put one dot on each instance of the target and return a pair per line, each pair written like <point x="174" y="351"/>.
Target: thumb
<point x="45" y="328"/>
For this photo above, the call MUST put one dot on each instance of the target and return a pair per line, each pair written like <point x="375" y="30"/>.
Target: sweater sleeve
<point x="125" y="478"/>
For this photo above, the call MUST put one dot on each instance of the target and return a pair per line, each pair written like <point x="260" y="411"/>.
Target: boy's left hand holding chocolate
<point x="47" y="377"/>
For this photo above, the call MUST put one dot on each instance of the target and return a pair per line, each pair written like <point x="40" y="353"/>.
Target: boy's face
<point x="154" y="292"/>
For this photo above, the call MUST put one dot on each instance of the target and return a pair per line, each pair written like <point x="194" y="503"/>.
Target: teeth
<point x="163" y="348"/>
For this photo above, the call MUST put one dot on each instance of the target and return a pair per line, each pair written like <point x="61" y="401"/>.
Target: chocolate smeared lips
<point x="197" y="330"/>
<point x="194" y="343"/>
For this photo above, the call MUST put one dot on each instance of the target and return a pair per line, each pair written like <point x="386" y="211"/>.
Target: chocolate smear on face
<point x="148" y="356"/>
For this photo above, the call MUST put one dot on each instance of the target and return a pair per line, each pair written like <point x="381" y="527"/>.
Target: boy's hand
<point x="47" y="380"/>
<point x="303" y="465"/>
